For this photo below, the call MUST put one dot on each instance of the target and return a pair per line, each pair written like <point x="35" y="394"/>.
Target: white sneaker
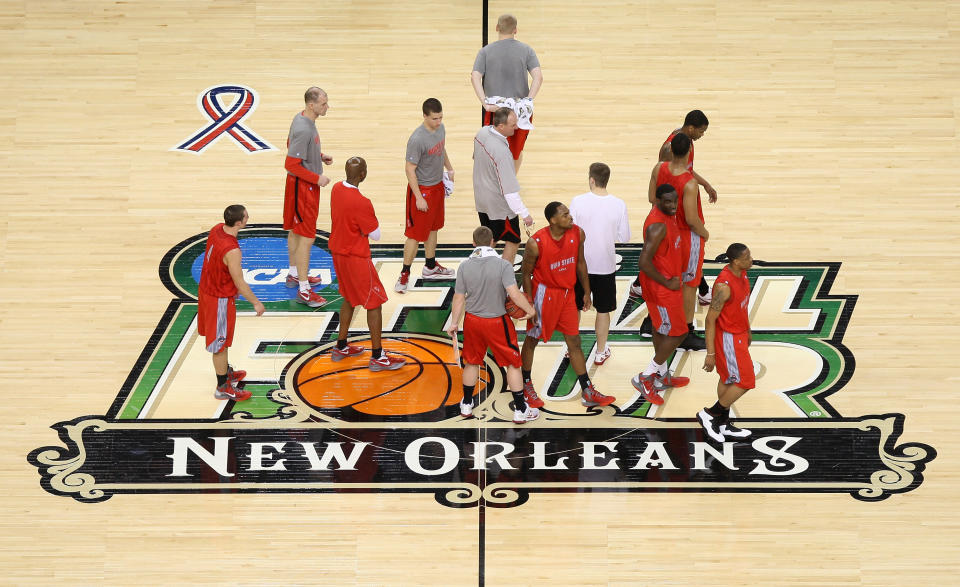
<point x="709" y="424"/>
<point x="523" y="417"/>
<point x="636" y="291"/>
<point x="438" y="272"/>
<point x="730" y="431"/>
<point x="601" y="358"/>
<point x="466" y="410"/>
<point x="401" y="285"/>
<point x="705" y="299"/>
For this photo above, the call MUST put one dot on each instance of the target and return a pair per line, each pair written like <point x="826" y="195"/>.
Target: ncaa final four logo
<point x="313" y="425"/>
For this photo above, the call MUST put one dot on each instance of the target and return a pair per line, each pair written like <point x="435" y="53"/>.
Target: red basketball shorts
<point x="517" y="141"/>
<point x="496" y="334"/>
<point x="556" y="310"/>
<point x="691" y="251"/>
<point x="358" y="281"/>
<point x="665" y="308"/>
<point x="734" y="364"/>
<point x="421" y="224"/>
<point x="216" y="318"/>
<point x="301" y="206"/>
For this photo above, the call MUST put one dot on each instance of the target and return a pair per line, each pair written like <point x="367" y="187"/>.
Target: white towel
<point x="447" y="184"/>
<point x="522" y="107"/>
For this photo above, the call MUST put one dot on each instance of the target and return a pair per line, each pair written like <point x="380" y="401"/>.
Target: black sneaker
<point x="693" y="343"/>
<point x="709" y="425"/>
<point x="646" y="327"/>
<point x="730" y="431"/>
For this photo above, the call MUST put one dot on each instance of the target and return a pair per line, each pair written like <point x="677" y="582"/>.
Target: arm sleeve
<point x="375" y="235"/>
<point x="480" y="63"/>
<point x="367" y="219"/>
<point x="532" y="61"/>
<point x="295" y="167"/>
<point x="516" y="204"/>
<point x="414" y="152"/>
<point x="623" y="228"/>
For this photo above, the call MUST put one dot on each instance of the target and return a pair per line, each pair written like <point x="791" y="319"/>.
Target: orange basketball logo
<point x="428" y="388"/>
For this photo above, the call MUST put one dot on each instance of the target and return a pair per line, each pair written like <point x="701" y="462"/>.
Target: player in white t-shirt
<point x="603" y="218"/>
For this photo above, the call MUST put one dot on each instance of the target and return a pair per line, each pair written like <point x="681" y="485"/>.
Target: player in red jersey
<point x="553" y="262"/>
<point x="221" y="279"/>
<point x="660" y="269"/>
<point x="694" y="126"/>
<point x="690" y="222"/>
<point x="353" y="222"/>
<point x="728" y="329"/>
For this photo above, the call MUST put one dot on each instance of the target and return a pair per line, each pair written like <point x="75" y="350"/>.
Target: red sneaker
<point x="293" y="282"/>
<point x="669" y="380"/>
<point x="234" y="376"/>
<point x="591" y="397"/>
<point x="311" y="298"/>
<point x="228" y="391"/>
<point x="648" y="386"/>
<point x="530" y="395"/>
<point x="387" y="363"/>
<point x="347" y="351"/>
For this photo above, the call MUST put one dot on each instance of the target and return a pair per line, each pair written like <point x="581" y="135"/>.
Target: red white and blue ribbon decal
<point x="225" y="120"/>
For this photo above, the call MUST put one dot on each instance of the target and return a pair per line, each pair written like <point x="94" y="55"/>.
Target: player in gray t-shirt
<point x="500" y="70"/>
<point x="301" y="204"/>
<point x="426" y="159"/>
<point x="484" y="281"/>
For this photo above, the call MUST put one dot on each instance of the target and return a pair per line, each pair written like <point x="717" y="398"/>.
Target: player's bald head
<point x="313" y="94"/>
<point x="356" y="169"/>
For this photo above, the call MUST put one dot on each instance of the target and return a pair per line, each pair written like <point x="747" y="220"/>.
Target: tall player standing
<point x="221" y="279"/>
<point x="301" y="203"/>
<point x="694" y="126"/>
<point x="352" y="222"/>
<point x="728" y="344"/>
<point x="660" y="269"/>
<point x="425" y="161"/>
<point x="690" y="222"/>
<point x="553" y="262"/>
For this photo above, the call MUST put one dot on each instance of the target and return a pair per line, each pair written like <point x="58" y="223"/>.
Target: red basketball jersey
<point x="557" y="264"/>
<point x="667" y="144"/>
<point x="352" y="218"/>
<point x="215" y="280"/>
<point x="666" y="259"/>
<point x="678" y="182"/>
<point x="734" y="317"/>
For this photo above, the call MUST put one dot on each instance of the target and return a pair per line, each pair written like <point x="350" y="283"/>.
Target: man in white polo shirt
<point x="603" y="218"/>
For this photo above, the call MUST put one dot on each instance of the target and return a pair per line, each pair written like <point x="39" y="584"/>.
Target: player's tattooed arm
<point x="530" y="254"/>
<point x="717" y="303"/>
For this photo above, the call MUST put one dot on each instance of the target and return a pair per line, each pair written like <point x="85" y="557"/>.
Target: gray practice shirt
<point x="425" y="150"/>
<point x="504" y="65"/>
<point x="303" y="142"/>
<point x="493" y="174"/>
<point x="484" y="281"/>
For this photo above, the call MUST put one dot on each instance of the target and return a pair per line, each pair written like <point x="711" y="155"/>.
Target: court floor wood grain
<point x="834" y="136"/>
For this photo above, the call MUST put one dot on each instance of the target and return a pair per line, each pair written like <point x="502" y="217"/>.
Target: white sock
<point x="652" y="368"/>
<point x="662" y="369"/>
<point x="304" y="286"/>
<point x="293" y="272"/>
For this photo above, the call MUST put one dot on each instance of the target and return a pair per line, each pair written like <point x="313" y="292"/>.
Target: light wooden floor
<point x="834" y="136"/>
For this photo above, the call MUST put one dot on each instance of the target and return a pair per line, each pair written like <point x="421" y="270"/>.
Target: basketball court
<point x="834" y="146"/>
